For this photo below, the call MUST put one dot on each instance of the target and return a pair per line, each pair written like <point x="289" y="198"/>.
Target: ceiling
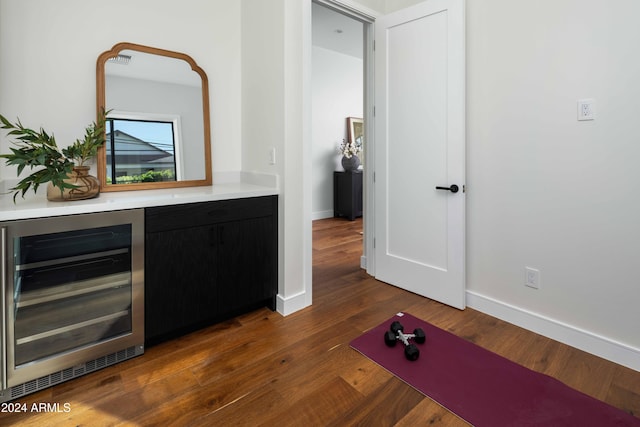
<point x="337" y="32"/>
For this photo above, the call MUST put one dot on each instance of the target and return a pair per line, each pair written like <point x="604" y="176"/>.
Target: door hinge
<point x="374" y="45"/>
<point x="374" y="243"/>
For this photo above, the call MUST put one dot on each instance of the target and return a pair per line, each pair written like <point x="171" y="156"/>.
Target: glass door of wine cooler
<point x="72" y="289"/>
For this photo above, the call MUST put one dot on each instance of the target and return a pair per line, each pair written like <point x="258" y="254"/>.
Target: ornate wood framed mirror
<point x="157" y="132"/>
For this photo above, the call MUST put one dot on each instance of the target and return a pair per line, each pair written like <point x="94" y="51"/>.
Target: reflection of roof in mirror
<point x="147" y="66"/>
<point x="128" y="145"/>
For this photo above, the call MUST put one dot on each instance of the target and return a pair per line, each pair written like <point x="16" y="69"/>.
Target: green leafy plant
<point x="35" y="149"/>
<point x="94" y="137"/>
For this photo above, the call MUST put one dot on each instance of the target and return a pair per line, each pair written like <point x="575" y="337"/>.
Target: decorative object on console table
<point x="350" y="163"/>
<point x="347" y="194"/>
<point x="82" y="186"/>
<point x="350" y="159"/>
<point x="63" y="169"/>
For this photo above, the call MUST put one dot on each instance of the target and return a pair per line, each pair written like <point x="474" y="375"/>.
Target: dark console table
<point x="347" y="194"/>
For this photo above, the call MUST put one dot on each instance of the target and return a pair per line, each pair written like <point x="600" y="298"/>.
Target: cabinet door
<point x="347" y="194"/>
<point x="208" y="261"/>
<point x="180" y="279"/>
<point x="247" y="252"/>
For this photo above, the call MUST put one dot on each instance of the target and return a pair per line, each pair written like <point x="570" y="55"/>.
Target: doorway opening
<point x="340" y="55"/>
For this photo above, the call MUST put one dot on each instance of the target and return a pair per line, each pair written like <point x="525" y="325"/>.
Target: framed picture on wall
<point x="355" y="128"/>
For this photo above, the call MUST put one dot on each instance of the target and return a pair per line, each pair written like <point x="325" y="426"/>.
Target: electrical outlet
<point x="532" y="277"/>
<point x="586" y="109"/>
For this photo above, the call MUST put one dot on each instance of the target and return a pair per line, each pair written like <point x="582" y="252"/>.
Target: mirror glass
<point x="157" y="130"/>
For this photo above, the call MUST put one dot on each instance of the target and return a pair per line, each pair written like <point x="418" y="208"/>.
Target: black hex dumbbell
<point x="396" y="333"/>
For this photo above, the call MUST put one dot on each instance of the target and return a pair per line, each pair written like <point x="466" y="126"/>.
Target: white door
<point x="420" y="145"/>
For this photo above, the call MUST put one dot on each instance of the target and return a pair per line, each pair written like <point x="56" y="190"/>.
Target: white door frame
<point x="367" y="17"/>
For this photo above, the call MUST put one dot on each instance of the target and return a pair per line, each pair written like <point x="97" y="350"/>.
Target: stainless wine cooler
<point x="72" y="297"/>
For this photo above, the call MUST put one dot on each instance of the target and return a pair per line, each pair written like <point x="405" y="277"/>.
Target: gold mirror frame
<point x="101" y="99"/>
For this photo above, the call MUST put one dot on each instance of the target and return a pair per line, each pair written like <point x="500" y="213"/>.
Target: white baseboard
<point x="321" y="215"/>
<point x="598" y="345"/>
<point x="286" y="306"/>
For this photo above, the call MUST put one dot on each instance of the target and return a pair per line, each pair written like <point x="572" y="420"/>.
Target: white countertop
<point x="37" y="205"/>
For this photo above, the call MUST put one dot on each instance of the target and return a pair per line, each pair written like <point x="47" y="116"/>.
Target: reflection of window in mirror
<point x="146" y="147"/>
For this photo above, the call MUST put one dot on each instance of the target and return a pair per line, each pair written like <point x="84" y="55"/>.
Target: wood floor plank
<point x="366" y="376"/>
<point x="320" y="407"/>
<point x="588" y="373"/>
<point x="247" y="410"/>
<point x="624" y="391"/>
<point x="387" y="406"/>
<point x="428" y="412"/>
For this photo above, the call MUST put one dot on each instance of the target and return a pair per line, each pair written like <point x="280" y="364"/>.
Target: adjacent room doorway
<point x="337" y="94"/>
<point x="414" y="224"/>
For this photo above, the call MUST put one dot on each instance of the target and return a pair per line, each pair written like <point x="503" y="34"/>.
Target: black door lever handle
<point x="454" y="188"/>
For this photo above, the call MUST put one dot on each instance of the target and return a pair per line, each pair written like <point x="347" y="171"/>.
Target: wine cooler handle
<point x="3" y="321"/>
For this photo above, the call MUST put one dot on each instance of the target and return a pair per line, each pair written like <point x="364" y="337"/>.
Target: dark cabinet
<point x="179" y="285"/>
<point x="347" y="194"/>
<point x="248" y="247"/>
<point x="205" y="262"/>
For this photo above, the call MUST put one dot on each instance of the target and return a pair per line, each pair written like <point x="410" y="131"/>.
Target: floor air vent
<point x="69" y="373"/>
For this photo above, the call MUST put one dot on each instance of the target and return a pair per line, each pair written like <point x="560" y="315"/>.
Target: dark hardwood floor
<point x="265" y="369"/>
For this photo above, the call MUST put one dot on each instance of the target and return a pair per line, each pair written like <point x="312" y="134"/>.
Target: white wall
<point x="48" y="53"/>
<point x="545" y="190"/>
<point x="337" y="84"/>
<point x="276" y="114"/>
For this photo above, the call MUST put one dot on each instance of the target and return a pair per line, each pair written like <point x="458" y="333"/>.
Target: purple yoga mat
<point x="483" y="388"/>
